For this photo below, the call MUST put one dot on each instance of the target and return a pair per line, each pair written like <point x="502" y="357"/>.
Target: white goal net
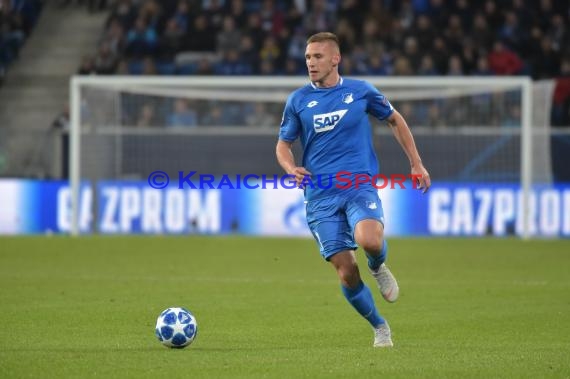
<point x="468" y="130"/>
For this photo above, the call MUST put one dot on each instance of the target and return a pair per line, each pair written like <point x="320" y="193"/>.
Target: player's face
<point x="322" y="60"/>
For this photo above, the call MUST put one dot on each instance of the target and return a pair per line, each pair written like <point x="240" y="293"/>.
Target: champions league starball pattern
<point x="176" y="327"/>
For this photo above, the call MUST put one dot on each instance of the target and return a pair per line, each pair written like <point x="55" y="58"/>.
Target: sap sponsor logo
<point x="327" y="121"/>
<point x="497" y="211"/>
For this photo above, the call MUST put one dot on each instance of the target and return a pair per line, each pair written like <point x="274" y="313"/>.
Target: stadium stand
<point x="36" y="85"/>
<point x="267" y="37"/>
<point x="17" y="20"/>
<point x="260" y="37"/>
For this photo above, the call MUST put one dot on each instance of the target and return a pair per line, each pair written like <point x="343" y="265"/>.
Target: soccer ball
<point x="176" y="327"/>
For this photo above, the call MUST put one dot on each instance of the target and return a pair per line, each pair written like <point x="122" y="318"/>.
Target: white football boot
<point x="383" y="336"/>
<point x="386" y="282"/>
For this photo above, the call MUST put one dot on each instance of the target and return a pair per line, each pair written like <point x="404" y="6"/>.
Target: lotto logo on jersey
<point x="327" y="121"/>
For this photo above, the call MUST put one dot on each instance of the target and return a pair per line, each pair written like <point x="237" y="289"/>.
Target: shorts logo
<point x="347" y="98"/>
<point x="312" y="104"/>
<point x="327" y="121"/>
<point x="371" y="205"/>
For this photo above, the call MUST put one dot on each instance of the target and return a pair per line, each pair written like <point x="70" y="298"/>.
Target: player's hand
<point x="422" y="178"/>
<point x="301" y="175"/>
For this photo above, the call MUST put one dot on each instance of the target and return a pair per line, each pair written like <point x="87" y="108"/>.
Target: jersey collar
<point x="340" y="80"/>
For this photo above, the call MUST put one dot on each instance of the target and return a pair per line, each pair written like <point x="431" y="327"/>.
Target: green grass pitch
<point x="272" y="308"/>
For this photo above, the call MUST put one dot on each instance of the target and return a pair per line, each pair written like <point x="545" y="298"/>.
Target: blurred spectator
<point x="232" y="64"/>
<point x="254" y="29"/>
<point x="346" y="35"/>
<point x="511" y="33"/>
<point x="105" y="61"/>
<point x="481" y="34"/>
<point x="561" y="100"/>
<point x="319" y="18"/>
<point x="503" y="61"/>
<point x="411" y="51"/>
<point x="547" y="63"/>
<point x="482" y="68"/>
<point x="122" y="67"/>
<point x="403" y="67"/>
<point x="468" y="57"/>
<point x="454" y="34"/>
<point x="61" y="122"/>
<point x="492" y="15"/>
<point x="214" y="116"/>
<point x="249" y="53"/>
<point x="182" y="115"/>
<point x="406" y="14"/>
<point x="377" y="11"/>
<point x="293" y="68"/>
<point x="347" y="66"/>
<point x="376" y="66"/>
<point x="267" y="68"/>
<point x="269" y="50"/>
<point x="454" y="68"/>
<point x="12" y="32"/>
<point x="125" y="13"/>
<point x="440" y="55"/>
<point x="214" y="11"/>
<point x="182" y="15"/>
<point x="424" y="32"/>
<point x="205" y="67"/>
<point x="272" y="18"/>
<point x="512" y="117"/>
<point x="201" y="36"/>
<point x="297" y="44"/>
<point x="351" y="11"/>
<point x="260" y="117"/>
<point x="371" y="36"/>
<point x="427" y="67"/>
<point x="147" y="116"/>
<point x="87" y="66"/>
<point x="238" y="12"/>
<point x="229" y="37"/>
<point x="151" y="12"/>
<point x="114" y="36"/>
<point x="141" y="39"/>
<point x="148" y="66"/>
<point x="558" y="33"/>
<point x="172" y="40"/>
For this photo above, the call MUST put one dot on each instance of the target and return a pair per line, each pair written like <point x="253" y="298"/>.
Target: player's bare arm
<point x="286" y="160"/>
<point x="406" y="140"/>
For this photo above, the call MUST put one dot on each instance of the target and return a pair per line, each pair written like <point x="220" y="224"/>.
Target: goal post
<point x="471" y="112"/>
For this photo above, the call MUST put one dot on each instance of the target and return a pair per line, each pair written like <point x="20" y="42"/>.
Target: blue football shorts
<point x="332" y="219"/>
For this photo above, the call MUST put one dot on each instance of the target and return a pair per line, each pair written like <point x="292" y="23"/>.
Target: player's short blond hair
<point x="324" y="37"/>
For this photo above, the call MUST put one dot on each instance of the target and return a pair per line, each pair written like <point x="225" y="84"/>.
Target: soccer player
<point x="330" y="116"/>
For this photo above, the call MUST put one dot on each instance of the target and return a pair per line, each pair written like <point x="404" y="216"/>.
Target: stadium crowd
<point x="17" y="19"/>
<point x="378" y="37"/>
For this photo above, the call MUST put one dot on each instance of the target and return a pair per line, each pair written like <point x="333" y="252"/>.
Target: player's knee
<point x="371" y="244"/>
<point x="369" y="235"/>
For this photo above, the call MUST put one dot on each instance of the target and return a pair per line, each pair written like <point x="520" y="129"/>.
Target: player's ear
<point x="336" y="59"/>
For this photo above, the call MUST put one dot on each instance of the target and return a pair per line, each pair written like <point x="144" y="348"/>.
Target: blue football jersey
<point x="334" y="129"/>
